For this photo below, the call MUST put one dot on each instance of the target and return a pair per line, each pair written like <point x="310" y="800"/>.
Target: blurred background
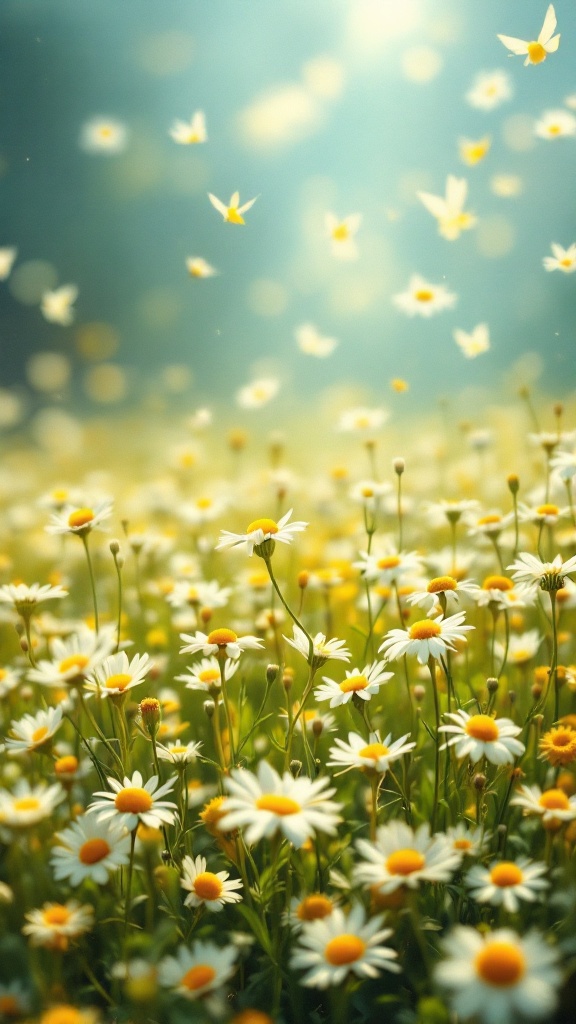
<point x="336" y="106"/>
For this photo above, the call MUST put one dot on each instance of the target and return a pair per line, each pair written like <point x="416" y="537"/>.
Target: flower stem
<point x="92" y="582"/>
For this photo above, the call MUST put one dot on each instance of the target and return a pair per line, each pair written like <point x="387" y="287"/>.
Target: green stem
<point x="129" y="882"/>
<point x="92" y="582"/>
<point x="432" y="670"/>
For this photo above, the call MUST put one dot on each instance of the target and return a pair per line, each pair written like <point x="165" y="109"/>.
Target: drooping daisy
<point x="499" y="977"/>
<point x="90" y="848"/>
<point x="25" y="598"/>
<point x="555" y="124"/>
<point x="365" y="684"/>
<point x="376" y="756"/>
<point x="448" y="210"/>
<point x="197" y="266"/>
<point x="133" y="801"/>
<point x="56" y="305"/>
<point x="80" y="521"/>
<point x="425" y="638"/>
<point x="219" y="640"/>
<point x="537" y="50"/>
<point x="103" y="135"/>
<point x="489" y="89"/>
<point x="563" y="259"/>
<point x="506" y="882"/>
<point x="477" y="736"/>
<point x="207" y="888"/>
<point x="187" y="133"/>
<point x="312" y="343"/>
<point x="322" y="649"/>
<point x="475" y="343"/>
<point x="529" y="570"/>
<point x="33" y="732"/>
<point x="27" y="805"/>
<point x="116" y="675"/>
<point x="333" y="947"/>
<point x="194" y="972"/>
<point x="401" y="856"/>
<point x="258" y="393"/>
<point x="56" y="923"/>
<point x="342" y="234"/>
<point x="8" y="256"/>
<point x="233" y="212"/>
<point x="179" y="753"/>
<point x="260" y="531"/>
<point x="424" y="299"/>
<point x="472" y="151"/>
<point x="266" y="803"/>
<point x="552" y="805"/>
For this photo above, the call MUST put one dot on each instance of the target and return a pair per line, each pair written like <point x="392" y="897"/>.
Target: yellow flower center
<point x="209" y="675"/>
<point x="198" y="977"/>
<point x="482" y="727"/>
<point x="391" y="562"/>
<point x="39" y="734"/>
<point x="118" y="682"/>
<point x="547" y="510"/>
<point x="554" y="129"/>
<point x="204" y="503"/>
<point x="497" y="583"/>
<point x="566" y="262"/>
<point x="57" y="914"/>
<point x="80" y="517"/>
<point x="353" y="684"/>
<point x="133" y="800"/>
<point x="62" y="1015"/>
<point x="344" y="949"/>
<point x="26" y="803"/>
<point x="93" y="851"/>
<point x="221" y="637"/>
<point x="340" y="233"/>
<point x="234" y="217"/>
<point x="506" y="874"/>
<point x="462" y="844"/>
<point x="374" y="751"/>
<point x="490" y="520"/>
<point x="314" y="907"/>
<point x="424" y="295"/>
<point x="440" y="584"/>
<point x="500" y="964"/>
<point x="281" y="805"/>
<point x="208" y="886"/>
<point x="536" y="52"/>
<point x="554" y="800"/>
<point x="425" y="629"/>
<point x="266" y="525"/>
<point x="78" y="661"/>
<point x="405" y="862"/>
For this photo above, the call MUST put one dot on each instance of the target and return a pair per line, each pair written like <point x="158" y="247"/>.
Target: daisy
<point x="187" y="133"/>
<point x="521" y="648"/>
<point x="506" y="186"/>
<point x="56" y="923"/>
<point x="179" y="753"/>
<point x="90" y="848"/>
<point x="312" y="343"/>
<point x="468" y="841"/>
<point x="424" y="299"/>
<point x="427" y="638"/>
<point x="340" y="944"/>
<point x="103" y="135"/>
<point x="194" y="972"/>
<point x="206" y="676"/>
<point x="27" y="805"/>
<point x="322" y="649"/>
<point x="547" y="514"/>
<point x="558" y="745"/>
<point x="553" y="805"/>
<point x="450" y="587"/>
<point x="206" y="888"/>
<point x="473" y="151"/>
<point x="475" y="343"/>
<point x="34" y="732"/>
<point x="73" y="659"/>
<point x="9" y="680"/>
<point x="489" y="89"/>
<point x="449" y="209"/>
<point x="501" y="592"/>
<point x="8" y="256"/>
<point x="257" y="393"/>
<point x="490" y="525"/>
<point x="267" y="803"/>
<point x="537" y="50"/>
<point x="233" y="212"/>
<point x="24" y="599"/>
<point x="554" y="124"/>
<point x="219" y="641"/>
<point x="80" y="521"/>
<point x="563" y="259"/>
<point x="387" y="566"/>
<point x="377" y="755"/>
<point x="201" y="594"/>
<point x="116" y="675"/>
<point x="498" y="977"/>
<point x="529" y="570"/>
<point x="478" y="736"/>
<point x="365" y="684"/>
<point x="362" y="420"/>
<point x="564" y="465"/>
<point x="15" y="1001"/>
<point x="401" y="856"/>
<point x="65" y="1013"/>
<point x="342" y="235"/>
<point x="199" y="267"/>
<point x="56" y="305"/>
<point x="133" y="801"/>
<point x="506" y="883"/>
<point x="259" y="532"/>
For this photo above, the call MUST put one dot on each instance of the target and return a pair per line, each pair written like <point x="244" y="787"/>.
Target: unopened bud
<point x="205" y="615"/>
<point x="19" y="627"/>
<point x="295" y="768"/>
<point x="151" y="712"/>
<point x="303" y="579"/>
<point x="419" y="692"/>
<point x="479" y="781"/>
<point x="502" y="830"/>
<point x="536" y="691"/>
<point x="492" y="685"/>
<point x="513" y="483"/>
<point x="317" y="727"/>
<point x="26" y="692"/>
<point x="120" y="561"/>
<point x="271" y="673"/>
<point x="24" y="644"/>
<point x="558" y="409"/>
<point x="287" y="678"/>
<point x="399" y="466"/>
<point x="209" y="708"/>
<point x="512" y="696"/>
<point x="115" y="547"/>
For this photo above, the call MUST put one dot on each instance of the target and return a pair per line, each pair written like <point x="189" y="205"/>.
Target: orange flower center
<point x="80" y="517"/>
<point x="93" y="851"/>
<point x="266" y="525"/>
<point x="57" y="914"/>
<point x="198" y="977"/>
<point x="209" y="675"/>
<point x="424" y="295"/>
<point x="500" y="964"/>
<point x="482" y="727"/>
<point x="208" y="886"/>
<point x="547" y="510"/>
<point x="62" y="1015"/>
<point x="66" y="765"/>
<point x="391" y="562"/>
<point x="344" y="949"/>
<point x="133" y="800"/>
<point x="405" y="862"/>
<point x="506" y="874"/>
<point x="554" y="800"/>
<point x="490" y="520"/>
<point x="353" y="684"/>
<point x="221" y="637"/>
<point x="374" y="751"/>
<point x="281" y="805"/>
<point x="39" y="734"/>
<point x="9" y="1006"/>
<point x="314" y="907"/>
<point x="119" y="681"/>
<point x="536" y="52"/>
<point x="425" y="629"/>
<point x="440" y="584"/>
<point x="462" y="844"/>
<point x="497" y="583"/>
<point x="78" y="661"/>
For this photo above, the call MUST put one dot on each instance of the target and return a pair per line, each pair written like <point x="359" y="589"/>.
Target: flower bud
<point x="492" y="685"/>
<point x="295" y="768"/>
<point x="151" y="712"/>
<point x="513" y="483"/>
<point x="272" y="673"/>
<point x="114" y="547"/>
<point x="209" y="708"/>
<point x="479" y="781"/>
<point x="303" y="579"/>
<point x="399" y="465"/>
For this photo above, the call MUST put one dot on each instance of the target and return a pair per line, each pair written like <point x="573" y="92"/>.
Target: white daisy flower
<point x="401" y="856"/>
<point x="424" y="299"/>
<point x="233" y="212"/>
<point x="198" y="594"/>
<point x="312" y="343"/>
<point x="257" y="393"/>
<point x="313" y="907"/>
<point x="522" y="647"/>
<point x="546" y="514"/>
<point x="472" y="151"/>
<point x="25" y="598"/>
<point x="55" y="924"/>
<point x="468" y="841"/>
<point x="80" y="520"/>
<point x="489" y="89"/>
<point x="266" y="803"/>
<point x="447" y="585"/>
<point x="260" y="531"/>
<point x="537" y="50"/>
<point x="342" y="234"/>
<point x="341" y="944"/>
<point x="116" y="675"/>
<point x="322" y="649"/>
<point x="500" y="591"/>
<point x="533" y="572"/>
<point x="8" y="256"/>
<point x="477" y="736"/>
<point x="552" y="805"/>
<point x="448" y="210"/>
<point x="56" y="305"/>
<point x="197" y="266"/>
<point x="133" y="801"/>
<point x="27" y="805"/>
<point x="219" y="640"/>
<point x="506" y="883"/>
<point x="90" y="848"/>
<point x="387" y="565"/>
<point x="206" y="675"/>
<point x="562" y="259"/>
<point x="103" y="135"/>
<point x="365" y="684"/>
<point x="475" y="343"/>
<point x="499" y="977"/>
<point x="179" y="753"/>
<point x="187" y="133"/>
<point x="206" y="888"/>
<point x="32" y="732"/>
<point x="490" y="525"/>
<point x="74" y="659"/>
<point x="9" y="680"/>
<point x="194" y="972"/>
<point x="427" y="638"/>
<point x="375" y="756"/>
<point x="362" y="420"/>
<point x="555" y="124"/>
<point x="564" y="465"/>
